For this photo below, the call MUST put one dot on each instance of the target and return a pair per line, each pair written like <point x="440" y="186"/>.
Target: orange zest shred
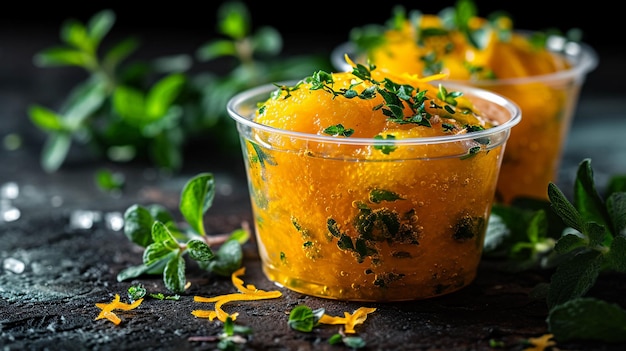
<point x="541" y="343"/>
<point x="349" y="320"/>
<point x="247" y="293"/>
<point x="107" y="309"/>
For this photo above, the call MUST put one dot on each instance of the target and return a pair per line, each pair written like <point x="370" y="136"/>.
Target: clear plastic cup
<point x="336" y="218"/>
<point x="548" y="103"/>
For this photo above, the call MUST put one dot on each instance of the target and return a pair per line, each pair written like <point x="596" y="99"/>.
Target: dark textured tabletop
<point x="61" y="250"/>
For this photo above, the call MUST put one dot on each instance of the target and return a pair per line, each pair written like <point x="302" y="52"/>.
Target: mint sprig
<point x="166" y="243"/>
<point x="592" y="243"/>
<point x="582" y="240"/>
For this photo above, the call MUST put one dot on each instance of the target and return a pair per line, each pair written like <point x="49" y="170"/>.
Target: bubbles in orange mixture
<point x="403" y="223"/>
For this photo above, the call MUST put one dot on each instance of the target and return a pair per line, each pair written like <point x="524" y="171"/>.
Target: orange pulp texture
<point x="321" y="229"/>
<point x="534" y="148"/>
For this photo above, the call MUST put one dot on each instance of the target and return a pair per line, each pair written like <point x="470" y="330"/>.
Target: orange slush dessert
<point x="349" y="205"/>
<point x="487" y="53"/>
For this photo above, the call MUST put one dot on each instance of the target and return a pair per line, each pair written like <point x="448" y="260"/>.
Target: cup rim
<point x="262" y="92"/>
<point x="583" y="57"/>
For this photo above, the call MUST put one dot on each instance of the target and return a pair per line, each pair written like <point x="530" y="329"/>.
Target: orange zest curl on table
<point x="247" y="293"/>
<point x="350" y="320"/>
<point x="107" y="309"/>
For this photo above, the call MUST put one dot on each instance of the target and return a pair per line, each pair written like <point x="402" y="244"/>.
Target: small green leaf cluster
<point x="304" y="319"/>
<point x="165" y="243"/>
<point x="233" y="336"/>
<point x="581" y="240"/>
<point x="109" y="181"/>
<point x="136" y="292"/>
<point x="128" y="109"/>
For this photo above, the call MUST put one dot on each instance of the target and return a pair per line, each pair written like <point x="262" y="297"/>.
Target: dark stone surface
<point x="51" y="305"/>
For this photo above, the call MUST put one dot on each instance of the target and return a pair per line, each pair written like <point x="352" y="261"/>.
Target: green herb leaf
<point x="75" y="34"/>
<point x="215" y="49"/>
<point x="55" y="151"/>
<point x="616" y="257"/>
<point x="588" y="319"/>
<point x="227" y="259"/>
<point x="129" y="103"/>
<point x="385" y="148"/>
<point x="199" y="250"/>
<point x="161" y="234"/>
<point x="60" y="56"/>
<point x="354" y="342"/>
<point x="379" y="195"/>
<point x="162" y="95"/>
<point x="155" y="252"/>
<point x="564" y="208"/>
<point x="616" y="209"/>
<point x="109" y="181"/>
<point x="234" y="20"/>
<point x="99" y="25"/>
<point x="303" y="318"/>
<point x="339" y="130"/>
<point x="46" y="119"/>
<point x="196" y="198"/>
<point x="136" y="292"/>
<point x="586" y="199"/>
<point x="119" y="52"/>
<point x="574" y="277"/>
<point x="174" y="274"/>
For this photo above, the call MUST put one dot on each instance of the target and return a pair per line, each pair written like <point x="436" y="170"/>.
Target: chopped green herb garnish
<point x="339" y="130"/>
<point x="303" y="318"/>
<point x="386" y="148"/>
<point x="380" y="195"/>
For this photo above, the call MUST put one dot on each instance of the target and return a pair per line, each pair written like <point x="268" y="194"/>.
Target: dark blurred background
<point x="307" y="26"/>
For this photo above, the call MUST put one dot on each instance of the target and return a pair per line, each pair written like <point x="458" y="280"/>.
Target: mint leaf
<point x="55" y="151"/>
<point x="564" y="208"/>
<point x="227" y="259"/>
<point x="155" y="252"/>
<point x="46" y="119"/>
<point x="586" y="198"/>
<point x="161" y="234"/>
<point x="162" y="95"/>
<point x="138" y="225"/>
<point x="570" y="242"/>
<point x="616" y="257"/>
<point x="574" y="277"/>
<point x="303" y="318"/>
<point x="99" y="25"/>
<point x="174" y="274"/>
<point x="616" y="207"/>
<point x="199" y="250"/>
<point x="588" y="319"/>
<point x="196" y="199"/>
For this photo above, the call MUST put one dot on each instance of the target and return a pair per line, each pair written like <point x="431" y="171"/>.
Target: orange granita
<point x="371" y="186"/>
<point x="541" y="73"/>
